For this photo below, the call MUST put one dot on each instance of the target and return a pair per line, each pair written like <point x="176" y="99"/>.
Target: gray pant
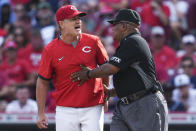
<point x="149" y="113"/>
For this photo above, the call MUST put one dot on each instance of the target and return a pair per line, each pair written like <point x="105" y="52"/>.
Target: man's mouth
<point x="78" y="27"/>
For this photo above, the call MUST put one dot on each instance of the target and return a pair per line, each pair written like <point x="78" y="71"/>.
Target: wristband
<point x="87" y="74"/>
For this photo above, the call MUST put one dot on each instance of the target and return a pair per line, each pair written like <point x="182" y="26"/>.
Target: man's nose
<point x="78" y="21"/>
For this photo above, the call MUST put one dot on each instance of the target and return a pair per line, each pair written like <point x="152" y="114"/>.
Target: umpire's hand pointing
<point x="80" y="75"/>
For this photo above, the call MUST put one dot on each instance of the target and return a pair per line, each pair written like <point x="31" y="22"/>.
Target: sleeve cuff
<point x="115" y="64"/>
<point x="43" y="77"/>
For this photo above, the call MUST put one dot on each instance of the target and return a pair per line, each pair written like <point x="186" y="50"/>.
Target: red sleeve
<point x="45" y="67"/>
<point x="101" y="55"/>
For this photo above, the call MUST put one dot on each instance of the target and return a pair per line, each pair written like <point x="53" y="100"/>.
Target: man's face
<point x="19" y="35"/>
<point x="37" y="42"/>
<point x="184" y="91"/>
<point x="22" y="95"/>
<point x="19" y="10"/>
<point x="189" y="48"/>
<point x="73" y="25"/>
<point x="157" y="40"/>
<point x="188" y="67"/>
<point x="117" y="31"/>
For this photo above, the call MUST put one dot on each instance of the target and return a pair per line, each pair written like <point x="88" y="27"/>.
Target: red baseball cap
<point x="10" y="44"/>
<point x="66" y="12"/>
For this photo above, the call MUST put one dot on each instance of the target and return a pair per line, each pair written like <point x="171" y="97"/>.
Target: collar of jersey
<point x="134" y="33"/>
<point x="71" y="44"/>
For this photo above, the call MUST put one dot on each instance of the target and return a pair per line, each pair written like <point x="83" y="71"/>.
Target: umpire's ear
<point x="124" y="26"/>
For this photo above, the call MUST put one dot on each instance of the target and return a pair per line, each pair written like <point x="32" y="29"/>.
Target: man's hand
<point x="80" y="75"/>
<point x="42" y="121"/>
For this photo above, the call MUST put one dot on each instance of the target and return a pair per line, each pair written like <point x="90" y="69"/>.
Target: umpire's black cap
<point x="127" y="15"/>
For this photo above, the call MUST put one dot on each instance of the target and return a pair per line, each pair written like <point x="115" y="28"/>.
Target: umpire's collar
<point x="134" y="33"/>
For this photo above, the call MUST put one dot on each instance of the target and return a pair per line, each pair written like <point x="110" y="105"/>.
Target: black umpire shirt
<point x="137" y="70"/>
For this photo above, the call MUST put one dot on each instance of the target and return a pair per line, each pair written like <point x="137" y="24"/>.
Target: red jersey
<point x="3" y="78"/>
<point x="150" y="16"/>
<point x="30" y="55"/>
<point x="59" y="60"/>
<point x="166" y="57"/>
<point x="17" y="72"/>
<point x="137" y="4"/>
<point x="161" y="73"/>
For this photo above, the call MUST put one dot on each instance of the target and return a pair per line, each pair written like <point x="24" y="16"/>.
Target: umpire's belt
<point x="133" y="97"/>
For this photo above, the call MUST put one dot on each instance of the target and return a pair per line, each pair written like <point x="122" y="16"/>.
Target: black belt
<point x="136" y="96"/>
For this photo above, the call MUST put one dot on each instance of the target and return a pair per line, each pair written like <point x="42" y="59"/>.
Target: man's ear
<point x="124" y="26"/>
<point x="61" y="24"/>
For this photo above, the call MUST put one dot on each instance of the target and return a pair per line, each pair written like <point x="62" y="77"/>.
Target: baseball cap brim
<point x="112" y="21"/>
<point x="81" y="14"/>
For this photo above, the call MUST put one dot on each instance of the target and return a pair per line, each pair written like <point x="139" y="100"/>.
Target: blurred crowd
<point x="26" y="26"/>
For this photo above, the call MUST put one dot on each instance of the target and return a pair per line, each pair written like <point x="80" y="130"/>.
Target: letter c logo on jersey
<point x="86" y="49"/>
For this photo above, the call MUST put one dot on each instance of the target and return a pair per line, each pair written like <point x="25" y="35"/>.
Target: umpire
<point x="141" y="107"/>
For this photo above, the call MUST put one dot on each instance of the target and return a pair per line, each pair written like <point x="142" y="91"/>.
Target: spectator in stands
<point x="6" y="15"/>
<point x="46" y="21"/>
<point x="138" y="4"/>
<point x="23" y="103"/>
<point x="113" y="4"/>
<point x="20" y="12"/>
<point x="155" y="13"/>
<point x="178" y="21"/>
<point x="103" y="29"/>
<point x="172" y="105"/>
<point x="184" y="93"/>
<point x="32" y="52"/>
<point x="18" y="71"/>
<point x="93" y="19"/>
<point x="191" y="19"/>
<point x="164" y="56"/>
<point x="20" y="37"/>
<point x="85" y="5"/>
<point x="3" y="105"/>
<point x="161" y="73"/>
<point x="188" y="47"/>
<point x="187" y="65"/>
<point x="23" y="18"/>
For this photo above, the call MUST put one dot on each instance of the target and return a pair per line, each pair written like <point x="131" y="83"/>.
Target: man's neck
<point x="129" y="32"/>
<point x="69" y="39"/>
